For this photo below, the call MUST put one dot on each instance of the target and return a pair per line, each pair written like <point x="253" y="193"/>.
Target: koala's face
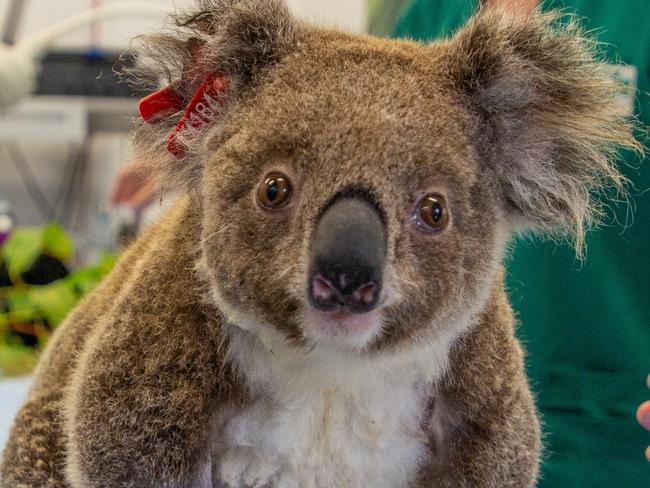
<point x="344" y="204"/>
<point x="357" y="193"/>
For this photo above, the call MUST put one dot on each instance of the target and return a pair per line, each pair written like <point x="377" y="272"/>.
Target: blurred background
<point x="61" y="149"/>
<point x="70" y="199"/>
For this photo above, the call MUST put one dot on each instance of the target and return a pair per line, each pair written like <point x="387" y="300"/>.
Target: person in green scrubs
<point x="585" y="325"/>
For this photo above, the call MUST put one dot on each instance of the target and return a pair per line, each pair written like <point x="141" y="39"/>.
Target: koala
<point x="324" y="304"/>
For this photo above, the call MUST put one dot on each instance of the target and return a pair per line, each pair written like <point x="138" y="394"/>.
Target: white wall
<point x="108" y="150"/>
<point x="348" y="14"/>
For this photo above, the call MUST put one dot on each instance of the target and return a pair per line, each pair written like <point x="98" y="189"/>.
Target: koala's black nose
<point x="347" y="257"/>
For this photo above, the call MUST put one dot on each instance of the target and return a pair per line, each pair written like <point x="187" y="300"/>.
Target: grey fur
<point x="541" y="86"/>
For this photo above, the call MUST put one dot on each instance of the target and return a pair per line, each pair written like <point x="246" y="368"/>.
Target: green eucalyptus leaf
<point x="16" y="360"/>
<point x="54" y="300"/>
<point x="4" y="323"/>
<point x="21" y="249"/>
<point x="106" y="263"/>
<point x="85" y="279"/>
<point x="21" y="306"/>
<point x="19" y="299"/>
<point x="56" y="242"/>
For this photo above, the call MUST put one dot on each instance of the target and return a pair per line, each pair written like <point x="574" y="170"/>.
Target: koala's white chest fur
<point x="334" y="439"/>
<point x="329" y="423"/>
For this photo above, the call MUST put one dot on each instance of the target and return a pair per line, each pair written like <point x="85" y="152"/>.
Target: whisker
<point x="205" y="239"/>
<point x="289" y="268"/>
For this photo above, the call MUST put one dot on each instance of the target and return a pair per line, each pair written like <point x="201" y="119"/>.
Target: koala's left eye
<point x="431" y="213"/>
<point x="275" y="191"/>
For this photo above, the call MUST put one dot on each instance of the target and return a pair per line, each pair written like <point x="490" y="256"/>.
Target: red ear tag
<point x="152" y="106"/>
<point x="201" y="111"/>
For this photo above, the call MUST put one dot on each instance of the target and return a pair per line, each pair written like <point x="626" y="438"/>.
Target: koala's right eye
<point x="274" y="192"/>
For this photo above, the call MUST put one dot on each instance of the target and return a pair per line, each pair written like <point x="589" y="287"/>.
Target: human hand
<point x="134" y="186"/>
<point x="643" y="416"/>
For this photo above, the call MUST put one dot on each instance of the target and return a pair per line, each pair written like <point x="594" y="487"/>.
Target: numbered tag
<point x="203" y="109"/>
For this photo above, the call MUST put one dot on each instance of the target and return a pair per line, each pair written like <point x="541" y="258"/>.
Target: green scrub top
<point x="586" y="326"/>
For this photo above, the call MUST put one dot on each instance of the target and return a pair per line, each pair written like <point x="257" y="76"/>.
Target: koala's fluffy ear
<point x="550" y="123"/>
<point x="237" y="39"/>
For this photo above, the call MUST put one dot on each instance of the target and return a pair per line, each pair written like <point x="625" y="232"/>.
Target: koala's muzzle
<point x="347" y="257"/>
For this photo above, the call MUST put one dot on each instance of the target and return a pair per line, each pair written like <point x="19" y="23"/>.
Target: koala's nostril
<point x="331" y="295"/>
<point x="323" y="292"/>
<point x="364" y="298"/>
<point x="365" y="295"/>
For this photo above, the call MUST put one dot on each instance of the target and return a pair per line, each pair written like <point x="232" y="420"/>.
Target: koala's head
<point x="359" y="192"/>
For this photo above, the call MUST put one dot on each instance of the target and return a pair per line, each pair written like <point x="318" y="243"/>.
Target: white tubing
<point x="17" y="75"/>
<point x="17" y="63"/>
<point x="37" y="43"/>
